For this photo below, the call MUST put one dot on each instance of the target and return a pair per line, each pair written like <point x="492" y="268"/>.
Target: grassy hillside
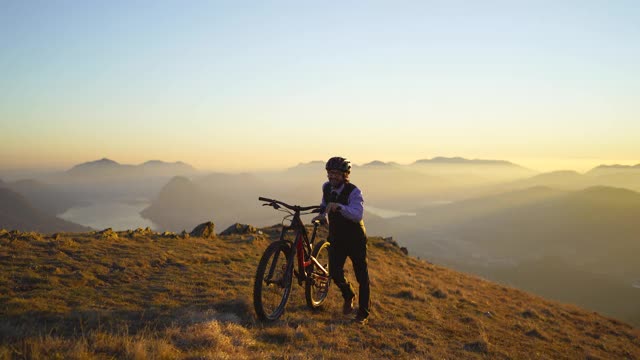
<point x="143" y="295"/>
<point x="578" y="247"/>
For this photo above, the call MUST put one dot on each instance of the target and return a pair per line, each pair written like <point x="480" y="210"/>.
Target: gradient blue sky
<point x="240" y="85"/>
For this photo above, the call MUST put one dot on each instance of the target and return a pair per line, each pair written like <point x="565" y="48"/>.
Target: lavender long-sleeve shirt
<point x="354" y="210"/>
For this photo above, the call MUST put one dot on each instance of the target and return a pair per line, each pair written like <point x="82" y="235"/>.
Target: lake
<point x="116" y="215"/>
<point x="387" y="214"/>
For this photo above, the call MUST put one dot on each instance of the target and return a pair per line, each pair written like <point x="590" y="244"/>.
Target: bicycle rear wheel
<point x="317" y="282"/>
<point x="272" y="285"/>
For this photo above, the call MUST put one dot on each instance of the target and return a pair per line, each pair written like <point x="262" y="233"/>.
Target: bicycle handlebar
<point x="296" y="208"/>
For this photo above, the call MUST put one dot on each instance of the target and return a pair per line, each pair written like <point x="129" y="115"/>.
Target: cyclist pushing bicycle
<point x="317" y="263"/>
<point x="343" y="203"/>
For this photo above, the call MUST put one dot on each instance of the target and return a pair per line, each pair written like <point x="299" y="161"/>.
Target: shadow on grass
<point x="76" y="323"/>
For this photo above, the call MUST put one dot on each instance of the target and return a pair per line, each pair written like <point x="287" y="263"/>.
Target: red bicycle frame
<point x="302" y="246"/>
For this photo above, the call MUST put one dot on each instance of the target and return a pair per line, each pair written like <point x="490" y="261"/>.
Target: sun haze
<point x="236" y="86"/>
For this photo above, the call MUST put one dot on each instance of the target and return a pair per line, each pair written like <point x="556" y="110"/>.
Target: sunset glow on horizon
<point x="267" y="85"/>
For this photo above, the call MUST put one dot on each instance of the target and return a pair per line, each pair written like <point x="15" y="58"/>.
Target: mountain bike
<point x="276" y="272"/>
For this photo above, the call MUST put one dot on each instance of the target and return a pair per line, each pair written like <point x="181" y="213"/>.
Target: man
<point x="343" y="203"/>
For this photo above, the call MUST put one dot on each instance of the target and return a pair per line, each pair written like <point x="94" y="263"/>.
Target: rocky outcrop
<point x="204" y="230"/>
<point x="169" y="234"/>
<point x="140" y="232"/>
<point x="18" y="235"/>
<point x="238" y="228"/>
<point x="108" y="234"/>
<point x="391" y="241"/>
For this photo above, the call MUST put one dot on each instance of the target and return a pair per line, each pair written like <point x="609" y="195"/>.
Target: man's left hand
<point x="332" y="206"/>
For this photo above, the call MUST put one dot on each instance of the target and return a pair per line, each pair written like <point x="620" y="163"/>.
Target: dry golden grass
<point x="149" y="296"/>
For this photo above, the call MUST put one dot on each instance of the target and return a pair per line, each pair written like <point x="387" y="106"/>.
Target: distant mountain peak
<point x="612" y="168"/>
<point x="449" y="159"/>
<point x="160" y="163"/>
<point x="615" y="166"/>
<point x="102" y="163"/>
<point x="377" y="163"/>
<point x="461" y="160"/>
<point x="155" y="162"/>
<point x="314" y="162"/>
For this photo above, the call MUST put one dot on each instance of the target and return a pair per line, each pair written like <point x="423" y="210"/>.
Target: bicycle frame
<point x="302" y="247"/>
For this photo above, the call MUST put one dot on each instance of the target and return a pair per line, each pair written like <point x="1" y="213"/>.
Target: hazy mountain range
<point x="50" y="194"/>
<point x="229" y="198"/>
<point x="17" y="213"/>
<point x="109" y="169"/>
<point x="566" y="235"/>
<point x="51" y="199"/>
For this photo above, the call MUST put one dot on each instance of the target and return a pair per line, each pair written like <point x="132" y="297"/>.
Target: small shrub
<point x="536" y="334"/>
<point x="439" y="294"/>
<point x="529" y="314"/>
<point x="409" y="347"/>
<point x="479" y="346"/>
<point x="409" y="294"/>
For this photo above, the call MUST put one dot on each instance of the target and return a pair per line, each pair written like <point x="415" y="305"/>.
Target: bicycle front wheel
<point x="318" y="281"/>
<point x="272" y="285"/>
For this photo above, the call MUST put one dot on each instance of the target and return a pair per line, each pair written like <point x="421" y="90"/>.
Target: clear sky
<point x="237" y="85"/>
